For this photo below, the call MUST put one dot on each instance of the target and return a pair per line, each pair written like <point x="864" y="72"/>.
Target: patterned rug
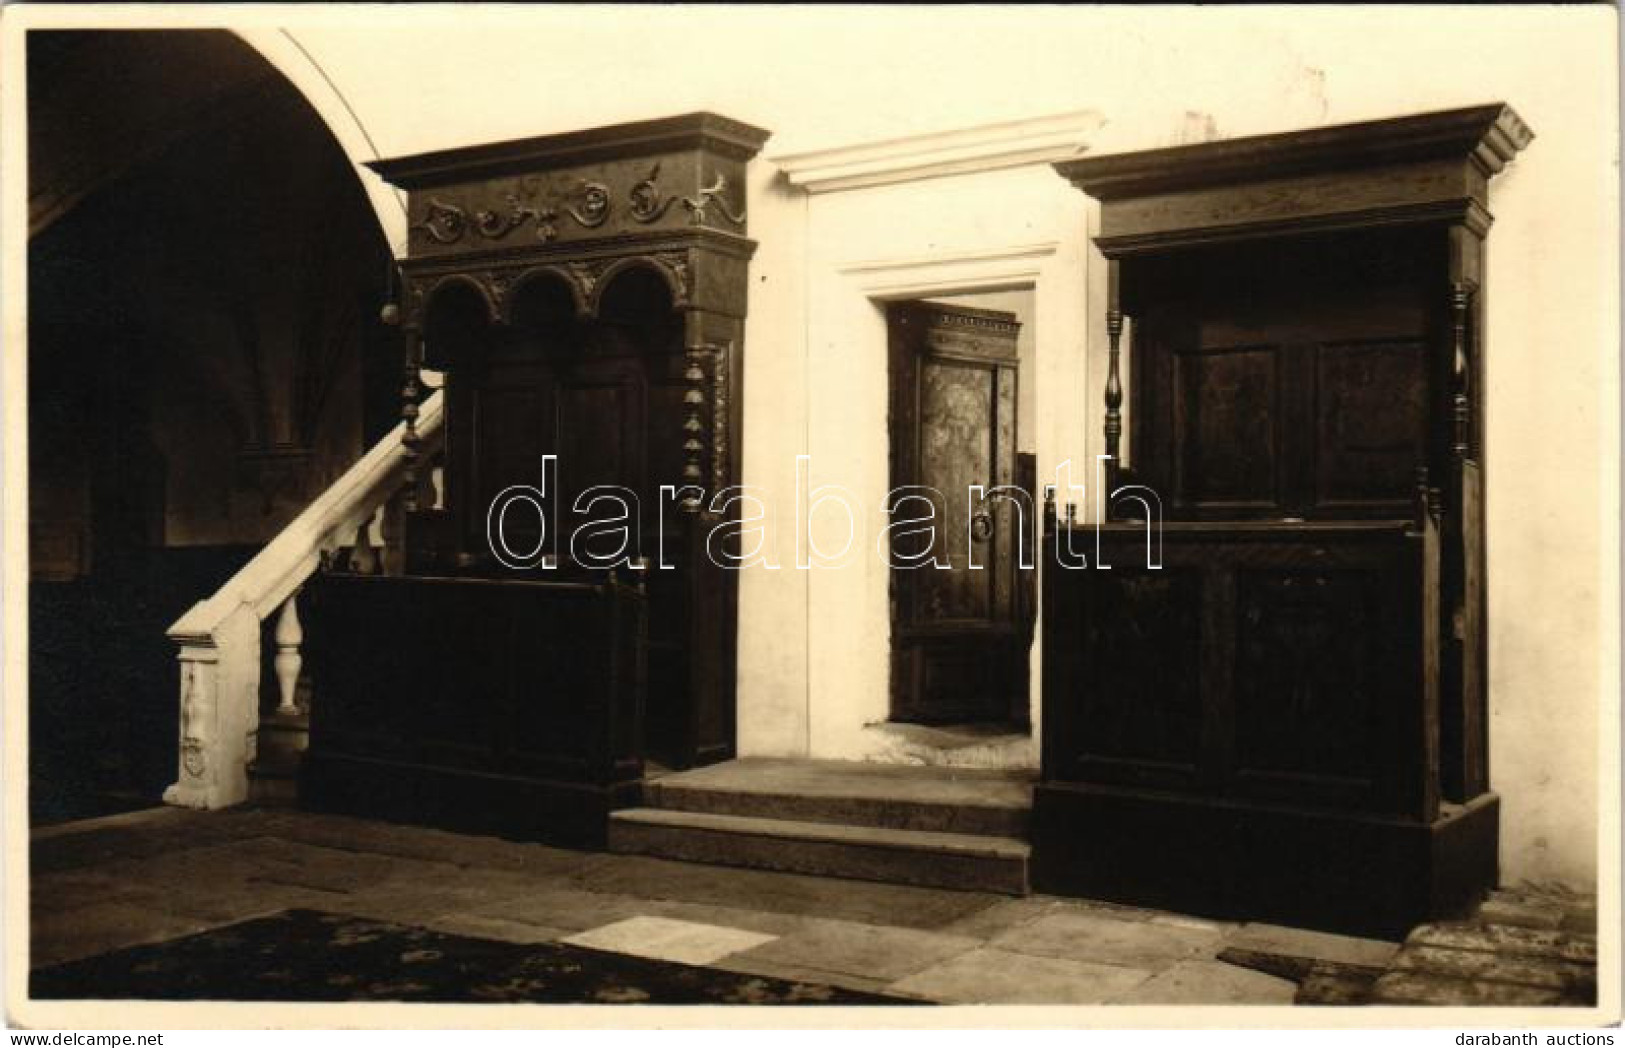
<point x="303" y="955"/>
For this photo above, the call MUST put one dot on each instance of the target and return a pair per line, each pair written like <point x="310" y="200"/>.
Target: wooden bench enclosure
<point x="1286" y="720"/>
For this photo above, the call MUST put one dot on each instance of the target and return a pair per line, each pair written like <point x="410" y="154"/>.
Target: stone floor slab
<point x="571" y="909"/>
<point x="90" y="930"/>
<point x="496" y="928"/>
<point x="75" y="846"/>
<point x="745" y="964"/>
<point x="70" y="889"/>
<point x="423" y="843"/>
<point x="1211" y="982"/>
<point x="1108" y="940"/>
<point x="224" y="902"/>
<point x="1201" y="924"/>
<point x="667" y="939"/>
<point x="219" y="882"/>
<point x="206" y="862"/>
<point x="866" y="950"/>
<point x="151" y="876"/>
<point x="157" y="816"/>
<point x="409" y="900"/>
<point x="277" y="860"/>
<point x="1322" y="946"/>
<point x="1103" y="908"/>
<point x="1000" y="917"/>
<point x="790" y="893"/>
<point x="989" y="975"/>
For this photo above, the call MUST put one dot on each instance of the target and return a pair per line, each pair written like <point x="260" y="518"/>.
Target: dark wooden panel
<point x="1226" y="418"/>
<point x="957" y="643"/>
<point x="1371" y="425"/>
<point x="538" y="685"/>
<point x="1287" y="380"/>
<point x="955" y="451"/>
<point x="1139" y="697"/>
<point x="599" y="425"/>
<point x="1310" y="669"/>
<point x="1278" y="661"/>
<point x="1340" y="871"/>
<point x="500" y="425"/>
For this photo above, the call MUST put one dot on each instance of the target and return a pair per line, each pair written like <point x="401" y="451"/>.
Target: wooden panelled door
<point x="959" y="652"/>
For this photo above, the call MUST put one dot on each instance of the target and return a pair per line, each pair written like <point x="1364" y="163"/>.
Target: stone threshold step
<point x="927" y="858"/>
<point x="981" y="802"/>
<point x="890" y="813"/>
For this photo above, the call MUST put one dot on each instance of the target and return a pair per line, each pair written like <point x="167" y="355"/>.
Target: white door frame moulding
<point x="989" y="147"/>
<point x="1049" y="270"/>
<point x="967" y="272"/>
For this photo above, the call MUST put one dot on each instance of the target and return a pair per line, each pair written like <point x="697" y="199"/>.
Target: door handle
<point x="981" y="526"/>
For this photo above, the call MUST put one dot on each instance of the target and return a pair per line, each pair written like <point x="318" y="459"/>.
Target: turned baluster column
<point x="1114" y="388"/>
<point x="288" y="661"/>
<point x="1461" y="294"/>
<point x="1114" y="384"/>
<point x="365" y="558"/>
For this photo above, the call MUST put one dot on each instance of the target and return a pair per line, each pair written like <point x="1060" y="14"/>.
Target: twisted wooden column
<point x="693" y="426"/>
<point x="720" y="393"/>
<point x="410" y="392"/>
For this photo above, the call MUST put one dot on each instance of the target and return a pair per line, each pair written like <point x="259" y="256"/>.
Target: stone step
<point x="273" y="777"/>
<point x="272" y="789"/>
<point x="961" y="861"/>
<point x="853" y="793"/>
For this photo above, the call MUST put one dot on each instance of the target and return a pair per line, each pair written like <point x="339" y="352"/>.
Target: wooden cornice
<point x="1428" y="168"/>
<point x="1488" y="135"/>
<point x="704" y="131"/>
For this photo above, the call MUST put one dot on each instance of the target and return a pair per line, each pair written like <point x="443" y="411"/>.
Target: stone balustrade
<point x="219" y="638"/>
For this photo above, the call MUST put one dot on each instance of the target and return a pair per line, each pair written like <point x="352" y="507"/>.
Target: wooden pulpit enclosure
<point x="584" y="296"/>
<point x="1286" y="720"/>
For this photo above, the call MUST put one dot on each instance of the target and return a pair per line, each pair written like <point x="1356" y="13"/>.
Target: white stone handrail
<point x="219" y="638"/>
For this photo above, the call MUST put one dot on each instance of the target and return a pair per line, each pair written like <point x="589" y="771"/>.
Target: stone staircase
<point x="937" y="827"/>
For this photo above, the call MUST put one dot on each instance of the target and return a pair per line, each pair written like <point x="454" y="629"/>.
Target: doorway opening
<point x="963" y="588"/>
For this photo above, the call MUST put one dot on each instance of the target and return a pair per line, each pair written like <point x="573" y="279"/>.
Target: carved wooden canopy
<point x="1432" y="166"/>
<point x="577" y="210"/>
<point x="666" y="194"/>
